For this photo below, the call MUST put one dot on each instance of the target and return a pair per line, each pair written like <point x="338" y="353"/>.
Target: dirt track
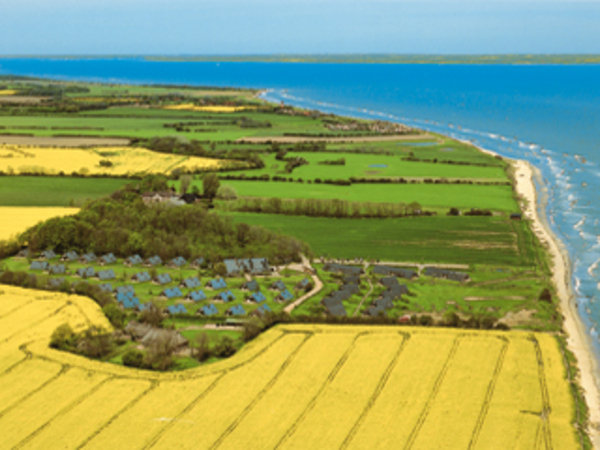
<point x="294" y="139"/>
<point x="48" y="141"/>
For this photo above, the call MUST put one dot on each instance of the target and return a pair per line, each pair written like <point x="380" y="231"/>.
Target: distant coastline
<point x="499" y="59"/>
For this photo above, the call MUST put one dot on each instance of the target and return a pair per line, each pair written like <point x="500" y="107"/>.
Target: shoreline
<point x="578" y="340"/>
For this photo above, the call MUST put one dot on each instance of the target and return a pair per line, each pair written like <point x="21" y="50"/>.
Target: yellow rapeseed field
<point x="15" y="220"/>
<point x="7" y="92"/>
<point x="213" y="109"/>
<point x="296" y="386"/>
<point x="125" y="160"/>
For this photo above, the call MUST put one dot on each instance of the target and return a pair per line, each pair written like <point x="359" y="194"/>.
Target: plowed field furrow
<point x="24" y="379"/>
<point x="33" y="413"/>
<point x="151" y="414"/>
<point x="9" y="356"/>
<point x="560" y="412"/>
<point x="97" y="409"/>
<point x="453" y="416"/>
<point x="342" y="403"/>
<point x="395" y="414"/>
<point x="286" y="400"/>
<point x="27" y="317"/>
<point x="514" y="414"/>
<point x="233" y="393"/>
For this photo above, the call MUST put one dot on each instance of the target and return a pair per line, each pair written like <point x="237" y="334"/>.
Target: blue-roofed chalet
<point x="257" y="297"/>
<point x="142" y="277"/>
<point x="216" y="284"/>
<point x="226" y="296"/>
<point x="236" y="310"/>
<point x="39" y="265"/>
<point x="104" y="275"/>
<point x="48" y="254"/>
<point x="190" y="283"/>
<point x="86" y="272"/>
<point x="261" y="310"/>
<point x="196" y="296"/>
<point x="163" y="278"/>
<point x="124" y="289"/>
<point x="56" y="269"/>
<point x="208" y="310"/>
<point x="171" y="293"/>
<point x="176" y="309"/>
<point x="106" y="287"/>
<point x="277" y="286"/>
<point x="107" y="259"/>
<point x="88" y="258"/>
<point x="176" y="263"/>
<point x="153" y="261"/>
<point x="133" y="260"/>
<point x="70" y="256"/>
<point x="284" y="296"/>
<point x="197" y="263"/>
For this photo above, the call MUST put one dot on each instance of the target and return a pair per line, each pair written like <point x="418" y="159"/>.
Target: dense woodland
<point x="124" y="225"/>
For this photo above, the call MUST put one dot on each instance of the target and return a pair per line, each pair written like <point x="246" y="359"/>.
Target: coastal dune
<point x="578" y="340"/>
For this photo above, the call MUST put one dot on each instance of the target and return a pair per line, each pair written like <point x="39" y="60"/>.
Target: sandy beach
<point x="578" y="340"/>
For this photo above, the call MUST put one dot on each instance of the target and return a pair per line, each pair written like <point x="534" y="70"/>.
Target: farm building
<point x="251" y="265"/>
<point x="197" y="263"/>
<point x="107" y="259"/>
<point x="176" y="309"/>
<point x="142" y="277"/>
<point x="226" y="296"/>
<point x="343" y="269"/>
<point x="395" y="271"/>
<point x="216" y="284"/>
<point x="447" y="274"/>
<point x="70" y="256"/>
<point x="261" y="310"/>
<point x="251" y="286"/>
<point x="133" y="261"/>
<point x="106" y="287"/>
<point x="278" y="286"/>
<point x="257" y="297"/>
<point x="236" y="310"/>
<point x="190" y="283"/>
<point x="208" y="310"/>
<point x="176" y="263"/>
<point x="196" y="296"/>
<point x="39" y="265"/>
<point x="284" y="296"/>
<point x="48" y="254"/>
<point x="153" y="261"/>
<point x="148" y="335"/>
<point x="88" y="258"/>
<point x="104" y="275"/>
<point x="163" y="278"/>
<point x="171" y="293"/>
<point x="57" y="269"/>
<point x="160" y="197"/>
<point x="86" y="272"/>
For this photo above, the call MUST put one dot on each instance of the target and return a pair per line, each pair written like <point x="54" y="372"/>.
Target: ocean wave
<point x="593" y="267"/>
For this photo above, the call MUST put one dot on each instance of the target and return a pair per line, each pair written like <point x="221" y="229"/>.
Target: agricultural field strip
<point x="255" y="398"/>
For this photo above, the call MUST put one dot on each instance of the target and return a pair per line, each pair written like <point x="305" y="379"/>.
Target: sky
<point x="257" y="27"/>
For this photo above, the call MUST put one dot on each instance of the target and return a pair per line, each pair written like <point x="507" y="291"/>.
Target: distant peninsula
<point x="525" y="59"/>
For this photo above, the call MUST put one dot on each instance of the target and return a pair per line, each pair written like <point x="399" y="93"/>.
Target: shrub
<point x="225" y="347"/>
<point x="115" y="315"/>
<point x="63" y="338"/>
<point x="134" y="358"/>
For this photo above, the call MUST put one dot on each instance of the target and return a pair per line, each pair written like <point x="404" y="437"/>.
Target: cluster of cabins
<point x="126" y="296"/>
<point x="390" y="279"/>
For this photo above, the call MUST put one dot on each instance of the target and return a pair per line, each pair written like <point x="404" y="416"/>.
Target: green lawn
<point x="430" y="196"/>
<point x="54" y="191"/>
<point x="463" y="240"/>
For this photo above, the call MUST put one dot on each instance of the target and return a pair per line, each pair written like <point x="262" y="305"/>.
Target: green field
<point x="361" y="166"/>
<point x="54" y="191"/>
<point x="439" y="197"/>
<point x="461" y="240"/>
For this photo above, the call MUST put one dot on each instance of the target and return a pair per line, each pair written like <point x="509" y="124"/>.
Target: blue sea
<point x="548" y="115"/>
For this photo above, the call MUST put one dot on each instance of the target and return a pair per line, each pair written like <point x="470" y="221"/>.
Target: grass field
<point x="124" y="160"/>
<point x="462" y="240"/>
<point x="430" y="196"/>
<point x="15" y="220"/>
<point x="293" y="387"/>
<point x="371" y="166"/>
<point x="54" y="191"/>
